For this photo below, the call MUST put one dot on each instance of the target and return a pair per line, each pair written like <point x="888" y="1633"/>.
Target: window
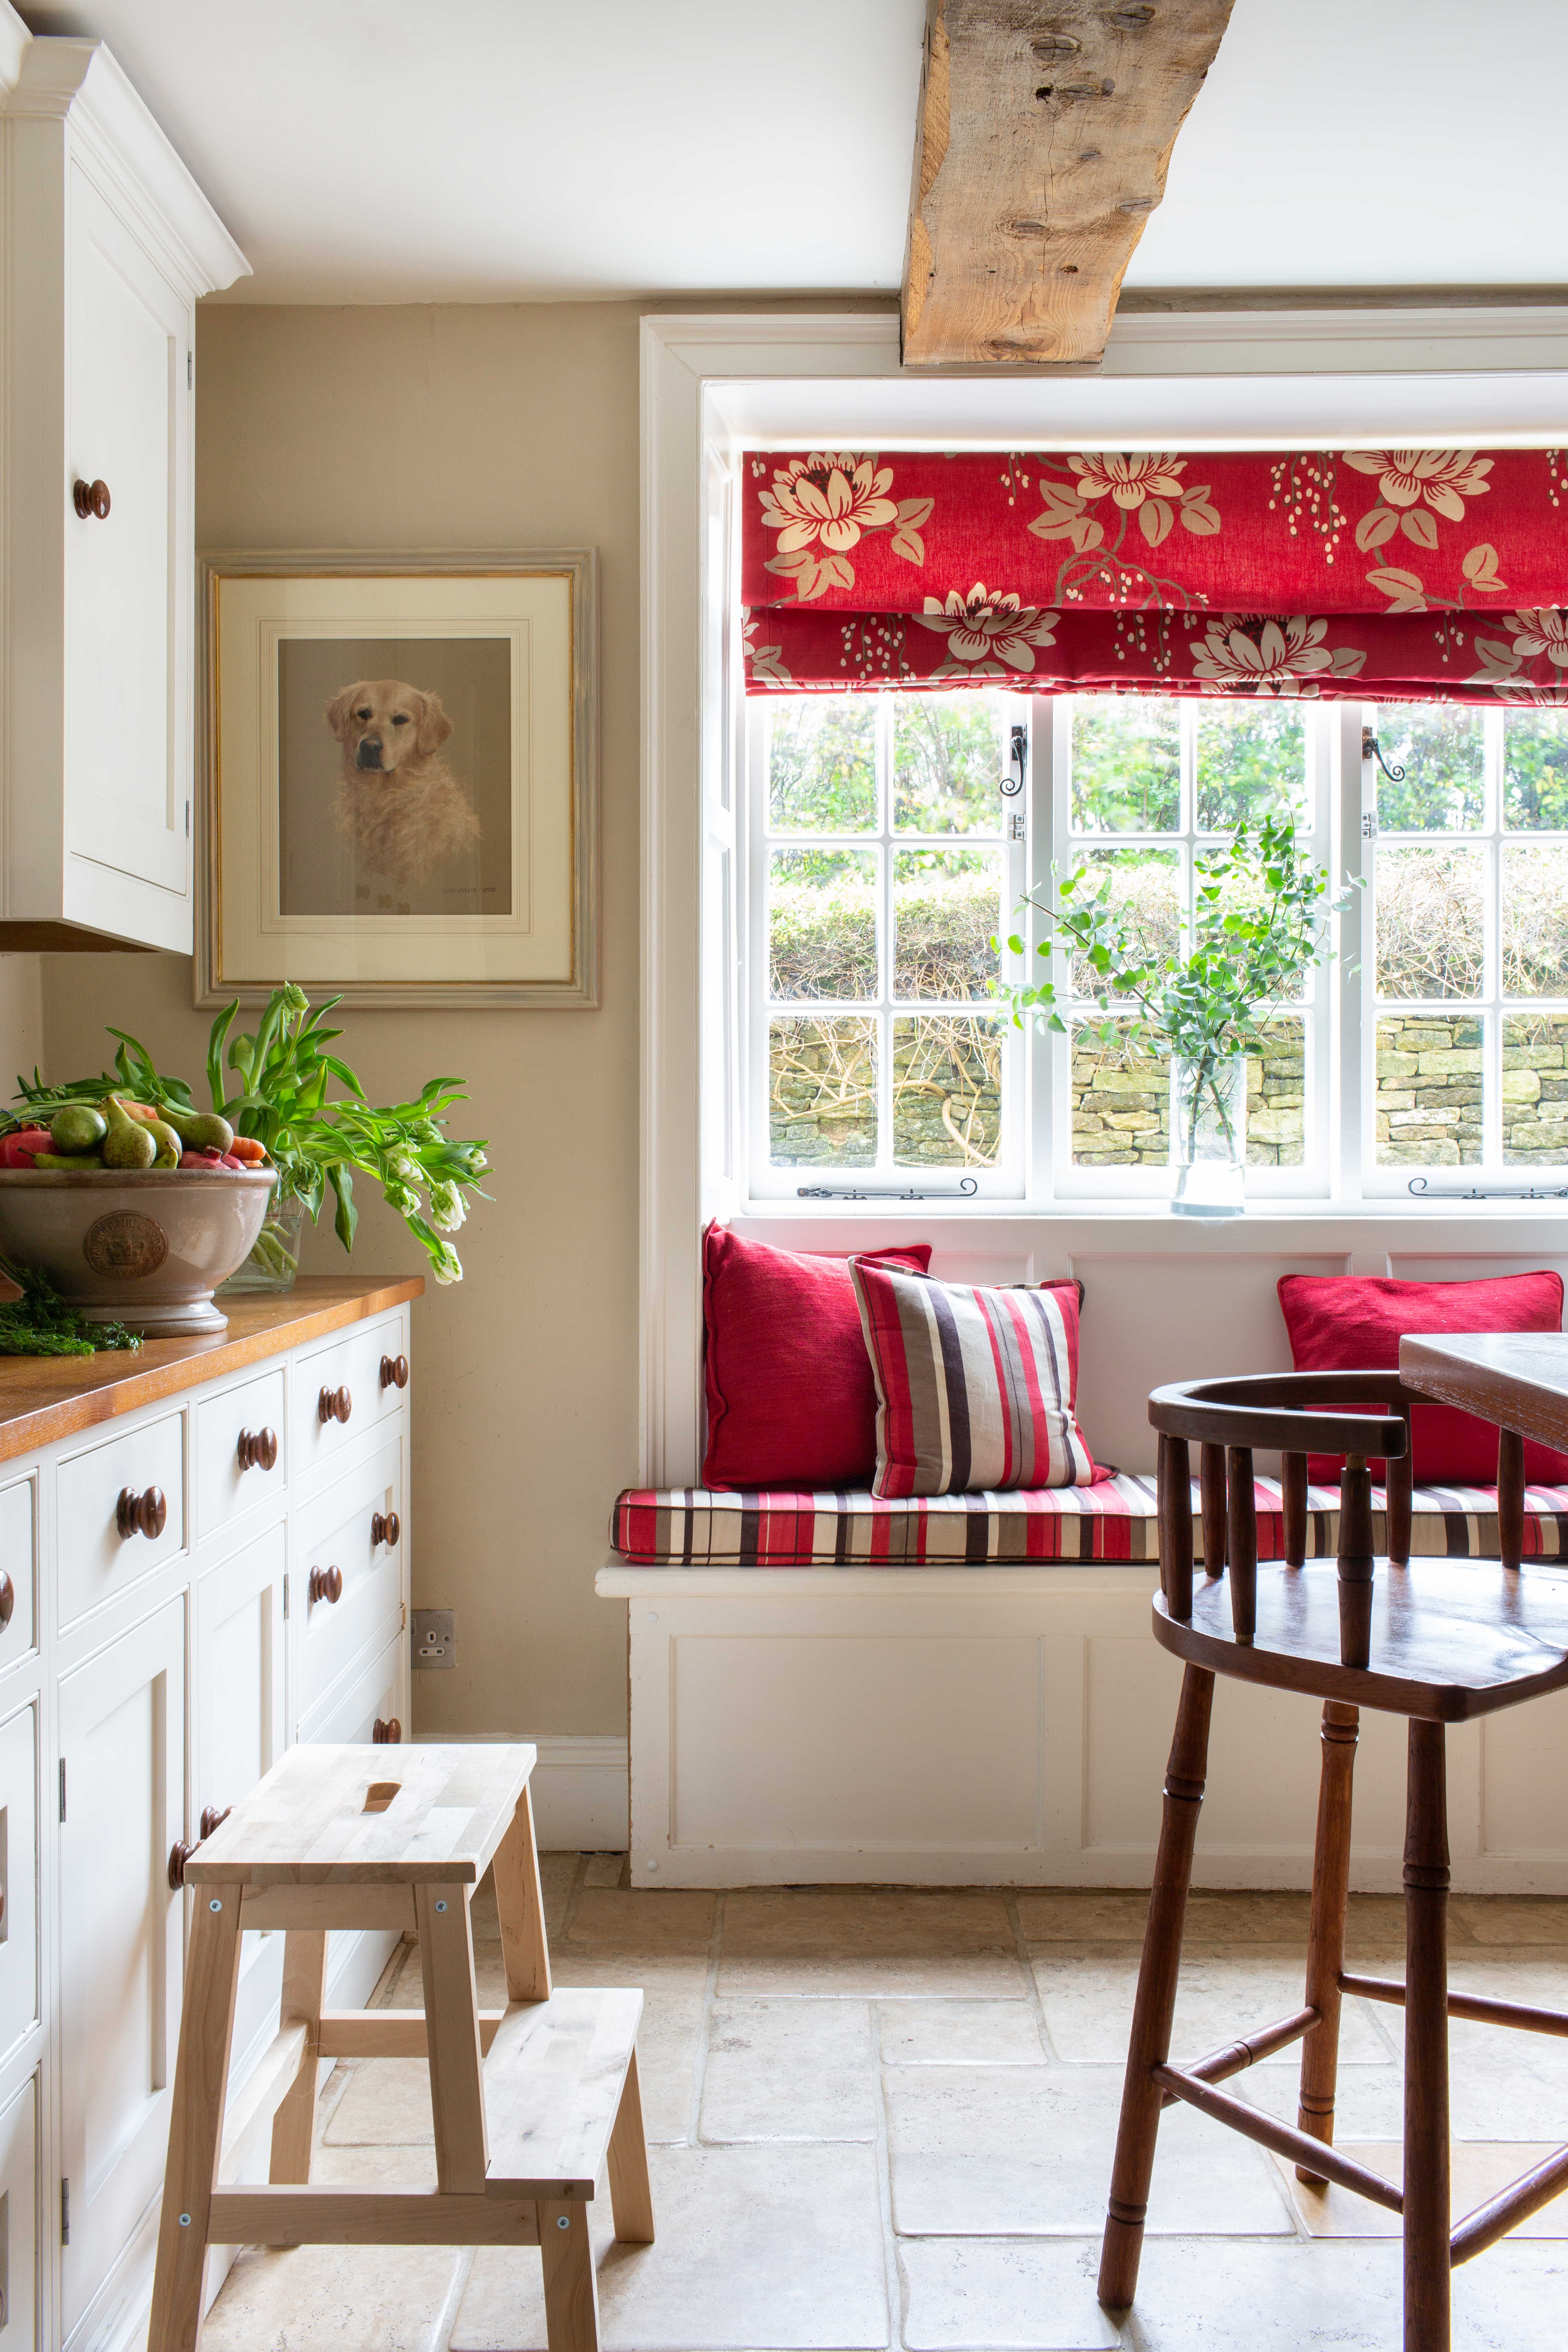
<point x="1467" y="984"/>
<point x="886" y="842"/>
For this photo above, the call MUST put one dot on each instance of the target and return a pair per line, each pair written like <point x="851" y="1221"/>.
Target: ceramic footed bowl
<point x="147" y="1250"/>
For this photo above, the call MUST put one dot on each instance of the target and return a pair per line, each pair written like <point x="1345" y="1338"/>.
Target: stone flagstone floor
<point x="880" y="2117"/>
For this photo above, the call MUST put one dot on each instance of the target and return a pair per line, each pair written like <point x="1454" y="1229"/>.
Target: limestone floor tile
<point x="1229" y="2296"/>
<point x="1088" y="1997"/>
<point x="1477" y="2170"/>
<point x="605" y="1870"/>
<point x="636" y="1920"/>
<point x="386" y="2104"/>
<point x="1498" y="2081"/>
<point x="1510" y="1920"/>
<point x="971" y="2294"/>
<point x="1088" y="1918"/>
<point x="341" y="2298"/>
<point x="789" y="2070"/>
<point x="785" y="1940"/>
<point x="759" y="2249"/>
<point x="1025" y="2152"/>
<point x="959" y="2034"/>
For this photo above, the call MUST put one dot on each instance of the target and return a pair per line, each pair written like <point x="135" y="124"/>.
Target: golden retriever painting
<point x="400" y="808"/>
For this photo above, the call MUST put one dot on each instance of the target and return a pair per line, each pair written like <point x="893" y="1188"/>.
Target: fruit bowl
<point x="146" y="1250"/>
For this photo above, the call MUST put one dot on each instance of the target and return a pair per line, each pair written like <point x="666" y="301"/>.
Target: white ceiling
<point x="395" y="150"/>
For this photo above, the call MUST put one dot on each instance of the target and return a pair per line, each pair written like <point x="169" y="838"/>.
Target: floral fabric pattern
<point x="1235" y="572"/>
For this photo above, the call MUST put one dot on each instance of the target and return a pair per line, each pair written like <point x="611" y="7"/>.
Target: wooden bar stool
<point x="1439" y="1642"/>
<point x="531" y="2102"/>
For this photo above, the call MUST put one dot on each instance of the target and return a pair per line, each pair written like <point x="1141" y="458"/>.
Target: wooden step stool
<point x="531" y="2102"/>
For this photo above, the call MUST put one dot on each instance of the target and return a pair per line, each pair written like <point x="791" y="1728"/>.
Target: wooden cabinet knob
<point x="334" y="1404"/>
<point x="258" y="1449"/>
<point x="395" y="1371"/>
<point x="179" y="1854"/>
<point x="326" y="1584"/>
<point x="7" y="1598"/>
<point x="386" y="1529"/>
<point x="212" y="1818"/>
<point x="388" y="1733"/>
<point x="141" y="1515"/>
<point x="91" y="498"/>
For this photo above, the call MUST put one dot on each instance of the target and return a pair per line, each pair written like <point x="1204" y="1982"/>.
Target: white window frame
<point x="712" y="384"/>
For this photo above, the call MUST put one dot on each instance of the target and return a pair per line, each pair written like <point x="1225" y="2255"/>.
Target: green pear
<point x="199" y="1130"/>
<point x="128" y="1145"/>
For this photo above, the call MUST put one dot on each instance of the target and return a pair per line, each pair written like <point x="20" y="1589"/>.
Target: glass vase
<point x="1208" y="1135"/>
<point x="274" y="1261"/>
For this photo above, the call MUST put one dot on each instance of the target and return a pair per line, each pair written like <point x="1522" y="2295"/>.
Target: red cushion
<point x="1354" y="1323"/>
<point x="791" y="1401"/>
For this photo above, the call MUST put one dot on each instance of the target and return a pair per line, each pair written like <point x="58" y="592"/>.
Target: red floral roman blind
<point x="1398" y="574"/>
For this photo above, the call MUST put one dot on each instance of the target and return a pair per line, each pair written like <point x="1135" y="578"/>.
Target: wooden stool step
<point x="530" y="2103"/>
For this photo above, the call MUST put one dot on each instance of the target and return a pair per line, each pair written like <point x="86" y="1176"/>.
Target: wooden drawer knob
<point x="7" y="1598"/>
<point x="334" y="1404"/>
<point x="395" y="1371"/>
<point x="388" y="1733"/>
<point x="258" y="1449"/>
<point x="91" y="498"/>
<point x="179" y="1854"/>
<point x="141" y="1515"/>
<point x="386" y="1529"/>
<point x="326" y="1584"/>
<point x="212" y="1819"/>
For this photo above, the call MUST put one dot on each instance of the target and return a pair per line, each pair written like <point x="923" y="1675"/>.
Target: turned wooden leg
<point x="1511" y="1497"/>
<point x="294" y="2124"/>
<point x="1326" y="1934"/>
<point x="631" y="2198"/>
<point x="195" y="2120"/>
<point x="1427" y="2214"/>
<point x="570" y="2289"/>
<point x="1150" y="2041"/>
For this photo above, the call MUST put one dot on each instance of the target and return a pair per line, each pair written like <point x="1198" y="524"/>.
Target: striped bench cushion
<point x="697" y="1527"/>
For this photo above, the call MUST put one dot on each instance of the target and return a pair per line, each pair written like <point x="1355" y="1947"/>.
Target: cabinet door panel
<point x="18" y="1877"/>
<point x="19" y="2221"/>
<point x="18" y="1555"/>
<point x="121" y="1720"/>
<point x="126" y="632"/>
<point x="237" y="1648"/>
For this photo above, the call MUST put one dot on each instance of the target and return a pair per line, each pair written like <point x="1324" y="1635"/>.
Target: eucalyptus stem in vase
<point x="1261" y="922"/>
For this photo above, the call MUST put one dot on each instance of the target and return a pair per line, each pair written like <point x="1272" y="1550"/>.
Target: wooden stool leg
<point x="571" y="2288"/>
<point x="1151" y="2043"/>
<point x="304" y="1986"/>
<point x="1427" y="2207"/>
<point x="1326" y="1935"/>
<point x="631" y="2198"/>
<point x="520" y="1902"/>
<point x="452" y="2034"/>
<point x="196" y="2121"/>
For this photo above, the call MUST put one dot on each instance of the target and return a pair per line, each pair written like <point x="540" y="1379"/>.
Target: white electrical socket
<point x="435" y="1637"/>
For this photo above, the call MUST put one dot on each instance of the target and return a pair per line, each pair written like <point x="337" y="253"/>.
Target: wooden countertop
<point x="43" y="1398"/>
<point x="1518" y="1379"/>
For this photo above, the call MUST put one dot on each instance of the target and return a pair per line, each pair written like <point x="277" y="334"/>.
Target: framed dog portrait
<point x="400" y="779"/>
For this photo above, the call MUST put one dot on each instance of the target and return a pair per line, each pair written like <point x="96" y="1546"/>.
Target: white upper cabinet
<point x="107" y="244"/>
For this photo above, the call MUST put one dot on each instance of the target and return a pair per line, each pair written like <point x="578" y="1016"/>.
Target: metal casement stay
<point x="967" y="1188"/>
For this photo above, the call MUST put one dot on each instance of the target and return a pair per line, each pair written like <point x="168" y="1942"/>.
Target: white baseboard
<point x="579" y="1796"/>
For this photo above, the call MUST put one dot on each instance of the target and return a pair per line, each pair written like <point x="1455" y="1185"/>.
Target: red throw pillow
<point x="975" y="1388"/>
<point x="1354" y="1323"/>
<point x="791" y="1401"/>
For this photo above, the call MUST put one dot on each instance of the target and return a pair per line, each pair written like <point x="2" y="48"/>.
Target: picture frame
<point x="398" y="777"/>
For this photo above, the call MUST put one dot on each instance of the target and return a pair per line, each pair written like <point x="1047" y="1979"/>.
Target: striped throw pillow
<point x="975" y="1388"/>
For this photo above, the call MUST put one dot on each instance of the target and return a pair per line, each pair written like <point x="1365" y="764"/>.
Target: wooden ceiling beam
<point x="1045" y="135"/>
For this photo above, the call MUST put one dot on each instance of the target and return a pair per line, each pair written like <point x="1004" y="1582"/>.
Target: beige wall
<point x="466" y="427"/>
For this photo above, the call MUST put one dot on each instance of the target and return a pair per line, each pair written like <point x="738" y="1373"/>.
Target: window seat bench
<point x="965" y="1691"/>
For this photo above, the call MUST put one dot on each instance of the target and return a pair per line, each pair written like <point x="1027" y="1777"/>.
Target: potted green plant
<point x="1261" y="911"/>
<point x="284" y="1070"/>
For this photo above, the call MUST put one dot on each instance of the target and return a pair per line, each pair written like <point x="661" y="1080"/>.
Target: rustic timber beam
<point x="1045" y="135"/>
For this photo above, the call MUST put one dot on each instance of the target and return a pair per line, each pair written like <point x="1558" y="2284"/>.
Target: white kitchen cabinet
<point x="107" y="244"/>
<point x="142" y="1683"/>
<point x="122" y="1738"/>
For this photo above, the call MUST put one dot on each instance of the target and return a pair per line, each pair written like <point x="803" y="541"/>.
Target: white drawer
<point x="96" y="1560"/>
<point x="18" y="1561"/>
<point x="19" y="2157"/>
<point x="18" y="1877"/>
<point x="337" y="1532"/>
<point x="376" y="1694"/>
<point x="230" y="1478"/>
<point x="353" y="1367"/>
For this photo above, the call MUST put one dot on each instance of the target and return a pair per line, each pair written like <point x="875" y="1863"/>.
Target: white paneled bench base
<point x="988" y="1723"/>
